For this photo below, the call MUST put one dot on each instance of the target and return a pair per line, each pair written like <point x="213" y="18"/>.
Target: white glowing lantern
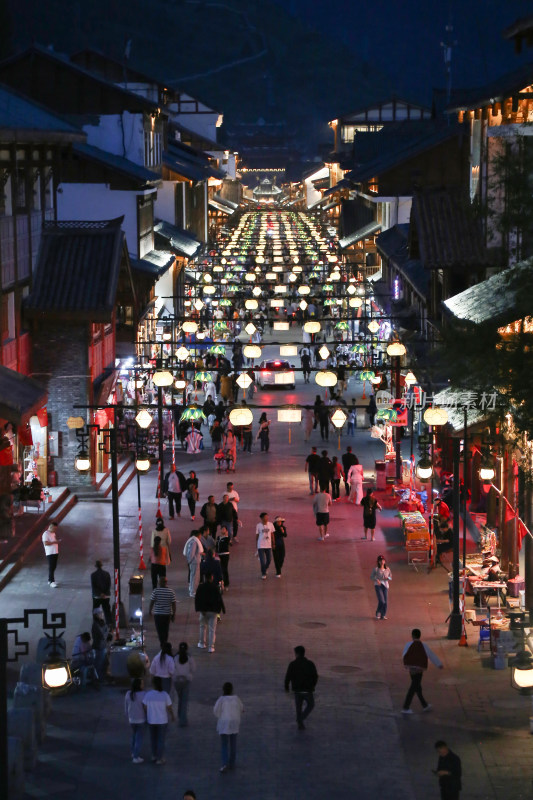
<point x="190" y="326"/>
<point x="163" y="378"/>
<point x="241" y="416"/>
<point x="252" y="351"/>
<point x="143" y="418"/>
<point x="396" y="349"/>
<point x="251" y="304"/>
<point x="288" y="350"/>
<point x="304" y="290"/>
<point x="250" y="329"/>
<point x="281" y="326"/>
<point x="182" y="353"/>
<point x="312" y="326"/>
<point x="326" y="378"/>
<point x="435" y="416"/>
<point x="244" y="380"/>
<point x="373" y="326"/>
<point x="290" y="415"/>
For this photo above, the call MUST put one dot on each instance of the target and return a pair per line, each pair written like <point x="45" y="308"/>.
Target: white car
<point x="275" y="373"/>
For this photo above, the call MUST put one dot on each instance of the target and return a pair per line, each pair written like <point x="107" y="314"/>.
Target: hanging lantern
<point x="221" y="326"/>
<point x="198" y="304"/>
<point x="359" y="348"/>
<point x="142" y="462"/>
<point x="226" y="302"/>
<point x="143" y="418"/>
<point x="342" y="326"/>
<point x="250" y="329"/>
<point x="180" y="383"/>
<point x="240" y="416"/>
<point x="386" y="413"/>
<point x="324" y="352"/>
<point x="182" y="354"/>
<point x="192" y="413"/>
<point x="163" y="378"/>
<point x="252" y="351"/>
<point x="304" y="290"/>
<point x="289" y="414"/>
<point x="190" y="326"/>
<point x="410" y="379"/>
<point x="373" y="326"/>
<point x="209" y="289"/>
<point x="251" y="304"/>
<point x="326" y="378"/>
<point x="244" y="380"/>
<point x="355" y="302"/>
<point x="435" y="416"/>
<point x="203" y="377"/>
<point x="366" y="375"/>
<point x="338" y="418"/>
<point x="396" y="349"/>
<point x="288" y="350"/>
<point x="312" y="326"/>
<point x="281" y="326"/>
<point x="217" y="350"/>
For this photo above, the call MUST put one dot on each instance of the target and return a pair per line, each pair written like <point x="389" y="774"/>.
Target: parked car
<point x="275" y="373"/>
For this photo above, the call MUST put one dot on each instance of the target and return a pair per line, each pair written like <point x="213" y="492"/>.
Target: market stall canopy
<point x="20" y="396"/>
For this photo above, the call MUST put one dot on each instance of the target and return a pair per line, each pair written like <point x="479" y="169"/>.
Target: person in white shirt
<point x="355" y="479"/>
<point x="321" y="505"/>
<point x="263" y="542"/>
<point x="163" y="666"/>
<point x="136" y="717"/>
<point x="228" y="711"/>
<point x="158" y="707"/>
<point x="51" y="551"/>
<point x="184" y="669"/>
<point x="193" y="553"/>
<point x="233" y="497"/>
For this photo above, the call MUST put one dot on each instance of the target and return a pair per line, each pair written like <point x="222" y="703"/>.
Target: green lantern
<point x="191" y="414"/>
<point x="342" y="326"/>
<point x="386" y="413"/>
<point x="203" y="377"/>
<point x="366" y="375"/>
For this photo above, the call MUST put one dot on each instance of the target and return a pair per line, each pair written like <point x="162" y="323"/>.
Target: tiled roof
<point x="394" y="146"/>
<point x="226" y="202"/>
<point x="446" y="231"/>
<point x="19" y="395"/>
<point x="493" y="92"/>
<point x="342" y="184"/>
<point x="222" y="207"/>
<point x="392" y="244"/>
<point x="123" y="166"/>
<point x="362" y="233"/>
<point x="500" y="298"/>
<point x="452" y="400"/>
<point x="77" y="270"/>
<point x="25" y="120"/>
<point x="190" y="163"/>
<point x="180" y="240"/>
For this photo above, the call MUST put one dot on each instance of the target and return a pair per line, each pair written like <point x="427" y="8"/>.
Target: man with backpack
<point x="415" y="659"/>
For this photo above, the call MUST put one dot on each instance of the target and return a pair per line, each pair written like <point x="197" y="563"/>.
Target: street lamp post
<point x="60" y="677"/>
<point x="455" y="623"/>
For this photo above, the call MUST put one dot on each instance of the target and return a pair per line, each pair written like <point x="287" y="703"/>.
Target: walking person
<point x="191" y="492"/>
<point x="321" y="505"/>
<point x="370" y="506"/>
<point x="228" y="710"/>
<point x="193" y="551"/>
<point x="158" y="707"/>
<point x="355" y="482"/>
<point x="336" y="474"/>
<point x="163" y="607"/>
<point x="163" y="532"/>
<point x="209" y="603"/>
<point x="348" y="460"/>
<point x="229" y="446"/>
<point x="278" y="551"/>
<point x="312" y="467"/>
<point x="234" y="498"/>
<point x="415" y="659"/>
<point x="263" y="541"/>
<point x="208" y="512"/>
<point x="173" y="485"/>
<point x="101" y="590"/>
<point x="247" y="436"/>
<point x="303" y="676"/>
<point x="136" y="714"/>
<point x="51" y="551"/>
<point x="227" y="514"/>
<point x="184" y="669"/>
<point x="223" y="550"/>
<point x="325" y="471"/>
<point x="159" y="560"/>
<point x="162" y="666"/>
<point x="264" y="432"/>
<point x="448" y="771"/>
<point x="308" y="421"/>
<point x="305" y="360"/>
<point x="381" y="576"/>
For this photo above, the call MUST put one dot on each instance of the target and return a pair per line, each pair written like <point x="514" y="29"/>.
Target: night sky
<point x="403" y="37"/>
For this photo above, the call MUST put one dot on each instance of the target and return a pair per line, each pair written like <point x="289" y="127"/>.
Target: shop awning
<point x="20" y="396"/>
<point x="362" y="233"/>
<point x="104" y="387"/>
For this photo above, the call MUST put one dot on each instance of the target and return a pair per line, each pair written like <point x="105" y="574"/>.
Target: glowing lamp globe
<point x="251" y="304"/>
<point x="241" y="416"/>
<point x="142" y="463"/>
<point x="410" y="379"/>
<point x="180" y="383"/>
<point x="355" y="302"/>
<point x="424" y="469"/>
<point x="256" y="291"/>
<point x="435" y="416"/>
<point x="304" y="290"/>
<point x="323" y="352"/>
<point x="182" y="353"/>
<point x="326" y="378"/>
<point x="312" y="326"/>
<point x="373" y="326"/>
<point x="56" y="674"/>
<point x="209" y="289"/>
<point x="250" y="329"/>
<point x="522" y="672"/>
<point x="82" y="462"/>
<point x="190" y="326"/>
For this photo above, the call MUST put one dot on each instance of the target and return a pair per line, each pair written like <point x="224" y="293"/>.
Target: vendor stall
<point x="417" y="538"/>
